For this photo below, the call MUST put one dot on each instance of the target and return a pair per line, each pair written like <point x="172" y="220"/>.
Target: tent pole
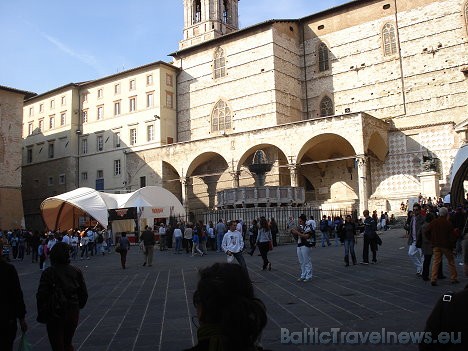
<point x="58" y="216"/>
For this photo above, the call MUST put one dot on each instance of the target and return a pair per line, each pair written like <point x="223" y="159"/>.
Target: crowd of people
<point x="83" y="243"/>
<point x="224" y="290"/>
<point x="433" y="232"/>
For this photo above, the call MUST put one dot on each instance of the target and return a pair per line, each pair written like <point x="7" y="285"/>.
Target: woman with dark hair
<point x="231" y="318"/>
<point x="263" y="242"/>
<point x="66" y="281"/>
<point x="124" y="246"/>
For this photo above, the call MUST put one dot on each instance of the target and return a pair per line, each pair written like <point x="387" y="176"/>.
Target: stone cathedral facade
<point x="347" y="104"/>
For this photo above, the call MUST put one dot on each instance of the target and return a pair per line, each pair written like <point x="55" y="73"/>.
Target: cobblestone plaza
<point x="150" y="308"/>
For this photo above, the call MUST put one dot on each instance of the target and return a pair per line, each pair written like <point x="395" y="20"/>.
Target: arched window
<point x="324" y="64"/>
<point x="219" y="63"/>
<point x="221" y="117"/>
<point x="326" y="107"/>
<point x="389" y="40"/>
<point x="2" y="149"/>
<point x="466" y="16"/>
<point x="226" y="12"/>
<point x="197" y="11"/>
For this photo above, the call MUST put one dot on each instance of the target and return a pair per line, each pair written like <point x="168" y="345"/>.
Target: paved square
<point x="150" y="308"/>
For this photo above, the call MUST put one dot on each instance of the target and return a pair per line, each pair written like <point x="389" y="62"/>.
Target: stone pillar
<point x="186" y="182"/>
<point x="235" y="179"/>
<point x="293" y="169"/>
<point x="429" y="183"/>
<point x="362" y="162"/>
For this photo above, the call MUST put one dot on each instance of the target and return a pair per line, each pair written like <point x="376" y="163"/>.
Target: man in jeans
<point x="148" y="242"/>
<point x="440" y="233"/>
<point x="233" y="244"/>
<point x="220" y="231"/>
<point x="370" y="226"/>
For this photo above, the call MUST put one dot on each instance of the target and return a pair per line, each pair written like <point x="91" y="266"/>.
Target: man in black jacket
<point x="148" y="242"/>
<point x="11" y="304"/>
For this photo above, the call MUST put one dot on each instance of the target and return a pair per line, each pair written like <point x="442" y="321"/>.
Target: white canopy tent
<point x="62" y="211"/>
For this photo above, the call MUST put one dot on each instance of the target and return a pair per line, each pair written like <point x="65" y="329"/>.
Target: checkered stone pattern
<point x="396" y="175"/>
<point x="440" y="142"/>
<point x="399" y="173"/>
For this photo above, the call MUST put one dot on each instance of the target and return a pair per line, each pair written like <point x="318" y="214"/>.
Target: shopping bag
<point x="412" y="250"/>
<point x="24" y="344"/>
<point x="230" y="258"/>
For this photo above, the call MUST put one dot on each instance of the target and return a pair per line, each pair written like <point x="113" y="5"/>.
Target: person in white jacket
<point x="233" y="244"/>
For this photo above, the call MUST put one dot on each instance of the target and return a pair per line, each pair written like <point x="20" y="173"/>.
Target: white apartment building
<point x="79" y="135"/>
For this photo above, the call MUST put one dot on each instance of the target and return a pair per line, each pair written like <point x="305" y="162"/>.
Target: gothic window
<point x="197" y="11"/>
<point x="324" y="64"/>
<point x="326" y="107"/>
<point x="389" y="40"/>
<point x="219" y="64"/>
<point x="226" y="12"/>
<point x="221" y="117"/>
<point x="2" y="150"/>
<point x="466" y="15"/>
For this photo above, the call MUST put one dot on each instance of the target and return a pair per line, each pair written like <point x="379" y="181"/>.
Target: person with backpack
<point x="61" y="294"/>
<point x="324" y="230"/>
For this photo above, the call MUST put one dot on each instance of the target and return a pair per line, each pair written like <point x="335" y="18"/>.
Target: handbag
<point x="118" y="248"/>
<point x="270" y="245"/>
<point x="230" y="258"/>
<point x="378" y="240"/>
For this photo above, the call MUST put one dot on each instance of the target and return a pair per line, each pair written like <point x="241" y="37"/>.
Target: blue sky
<point x="50" y="43"/>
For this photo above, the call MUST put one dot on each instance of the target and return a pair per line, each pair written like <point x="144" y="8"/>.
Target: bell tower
<point x="208" y="19"/>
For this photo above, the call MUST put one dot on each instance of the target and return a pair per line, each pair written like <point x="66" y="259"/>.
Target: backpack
<point x="309" y="230"/>
<point x="323" y="225"/>
<point x="56" y="305"/>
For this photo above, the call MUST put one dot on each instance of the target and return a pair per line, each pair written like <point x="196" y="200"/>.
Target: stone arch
<point x="207" y="173"/>
<point x="327" y="162"/>
<point x="376" y="146"/>
<point x="279" y="174"/>
<point x="171" y="180"/>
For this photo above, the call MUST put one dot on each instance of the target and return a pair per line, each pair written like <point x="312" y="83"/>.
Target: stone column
<point x="293" y="169"/>
<point x="362" y="162"/>
<point x="186" y="182"/>
<point x="429" y="183"/>
<point x="235" y="179"/>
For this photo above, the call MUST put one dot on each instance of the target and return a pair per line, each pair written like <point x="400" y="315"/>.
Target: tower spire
<point x="208" y="19"/>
